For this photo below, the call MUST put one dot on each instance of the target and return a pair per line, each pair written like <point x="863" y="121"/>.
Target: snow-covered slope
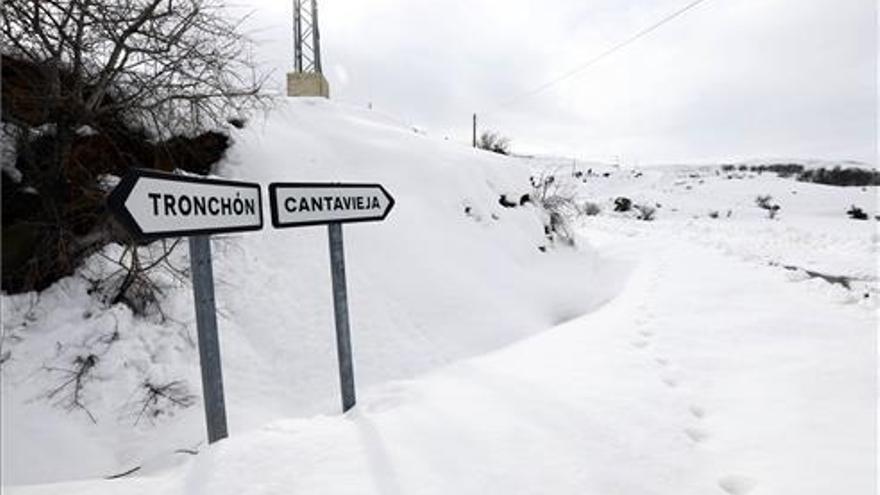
<point x="811" y="230"/>
<point x="693" y="354"/>
<point x="449" y="274"/>
<point x="711" y="372"/>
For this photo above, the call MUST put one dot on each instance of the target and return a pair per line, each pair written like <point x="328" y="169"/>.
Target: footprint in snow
<point x="646" y="333"/>
<point x="697" y="411"/>
<point x="735" y="484"/>
<point x="640" y="344"/>
<point x="661" y="361"/>
<point x="670" y="381"/>
<point x="697" y="435"/>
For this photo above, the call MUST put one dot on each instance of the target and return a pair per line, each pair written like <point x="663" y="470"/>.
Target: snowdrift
<point x="450" y="274"/>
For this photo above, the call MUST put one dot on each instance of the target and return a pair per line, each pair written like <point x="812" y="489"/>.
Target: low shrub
<point x="622" y="204"/>
<point x="765" y="203"/>
<point x="857" y="213"/>
<point x="591" y="209"/>
<point x="645" y="212"/>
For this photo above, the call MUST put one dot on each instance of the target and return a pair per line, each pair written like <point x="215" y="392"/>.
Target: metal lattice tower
<point x="306" y="38"/>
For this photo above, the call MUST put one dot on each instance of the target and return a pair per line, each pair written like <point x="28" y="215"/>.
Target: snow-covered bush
<point x="557" y="199"/>
<point x="645" y="212"/>
<point x="591" y="209"/>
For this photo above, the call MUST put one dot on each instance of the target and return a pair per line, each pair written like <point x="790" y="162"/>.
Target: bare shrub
<point x="645" y="212"/>
<point x="69" y="393"/>
<point x="557" y="199"/>
<point x="591" y="209"/>
<point x="495" y="142"/>
<point x="857" y="213"/>
<point x="162" y="399"/>
<point x="133" y="281"/>
<point x="765" y="202"/>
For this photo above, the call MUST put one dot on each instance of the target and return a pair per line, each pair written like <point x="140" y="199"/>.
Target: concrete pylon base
<point x="307" y="84"/>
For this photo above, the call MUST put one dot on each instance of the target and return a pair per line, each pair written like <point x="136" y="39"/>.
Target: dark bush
<point x="764" y="202"/>
<point x="857" y="213"/>
<point x="782" y="169"/>
<point x="622" y="204"/>
<point x="503" y="201"/>
<point x="494" y="142"/>
<point x="91" y="89"/>
<point x="837" y="176"/>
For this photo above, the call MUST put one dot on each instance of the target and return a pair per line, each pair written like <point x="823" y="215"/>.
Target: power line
<point x="596" y="59"/>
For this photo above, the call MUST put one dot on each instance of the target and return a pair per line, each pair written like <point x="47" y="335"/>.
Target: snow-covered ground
<point x="685" y="355"/>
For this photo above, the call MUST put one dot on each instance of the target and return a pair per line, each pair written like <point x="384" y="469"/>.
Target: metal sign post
<point x="209" y="344"/>
<point x="340" y="313"/>
<point x="304" y="204"/>
<point x="152" y="205"/>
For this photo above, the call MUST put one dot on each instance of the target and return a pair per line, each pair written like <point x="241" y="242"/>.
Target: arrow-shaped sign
<point x="154" y="204"/>
<point x="301" y="204"/>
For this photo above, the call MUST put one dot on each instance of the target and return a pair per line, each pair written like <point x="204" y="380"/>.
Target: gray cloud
<point x="729" y="79"/>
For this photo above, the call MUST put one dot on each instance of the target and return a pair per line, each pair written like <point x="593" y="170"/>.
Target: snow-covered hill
<point x="711" y="350"/>
<point x="450" y="274"/>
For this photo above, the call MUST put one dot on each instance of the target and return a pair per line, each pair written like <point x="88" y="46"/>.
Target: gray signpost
<point x="304" y="204"/>
<point x="152" y="205"/>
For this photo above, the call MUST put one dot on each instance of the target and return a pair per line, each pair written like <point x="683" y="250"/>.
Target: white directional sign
<point x="154" y="204"/>
<point x="301" y="204"/>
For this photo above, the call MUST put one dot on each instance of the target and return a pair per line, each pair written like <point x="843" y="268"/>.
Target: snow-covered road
<point x="707" y="374"/>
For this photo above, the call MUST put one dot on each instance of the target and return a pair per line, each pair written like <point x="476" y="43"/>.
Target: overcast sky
<point x="727" y="80"/>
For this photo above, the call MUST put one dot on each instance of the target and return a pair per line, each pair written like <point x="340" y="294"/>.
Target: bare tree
<point x="102" y="82"/>
<point x="176" y="66"/>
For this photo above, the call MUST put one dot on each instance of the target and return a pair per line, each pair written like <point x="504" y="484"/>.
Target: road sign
<point x="302" y="204"/>
<point x="155" y="204"/>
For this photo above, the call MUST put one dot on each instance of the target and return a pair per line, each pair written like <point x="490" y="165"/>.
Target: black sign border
<point x="273" y="203"/>
<point x="116" y="203"/>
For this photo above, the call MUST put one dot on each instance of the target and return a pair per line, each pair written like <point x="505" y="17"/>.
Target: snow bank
<point x="449" y="274"/>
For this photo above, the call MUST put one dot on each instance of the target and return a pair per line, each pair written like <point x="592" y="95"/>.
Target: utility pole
<point x="307" y="78"/>
<point x="474" y="131"/>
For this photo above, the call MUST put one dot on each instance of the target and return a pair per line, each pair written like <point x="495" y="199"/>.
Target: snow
<point x="428" y="286"/>
<point x="674" y="356"/>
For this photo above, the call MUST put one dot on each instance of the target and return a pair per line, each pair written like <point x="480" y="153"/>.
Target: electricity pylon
<point x="307" y="78"/>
